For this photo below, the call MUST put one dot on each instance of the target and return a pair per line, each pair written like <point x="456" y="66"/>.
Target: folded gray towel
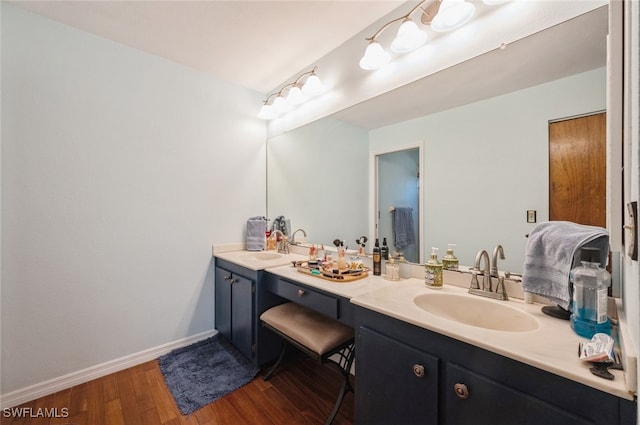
<point x="256" y="228"/>
<point x="552" y="250"/>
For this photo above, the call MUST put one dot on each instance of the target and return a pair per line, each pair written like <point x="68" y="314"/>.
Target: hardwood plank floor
<point x="302" y="392"/>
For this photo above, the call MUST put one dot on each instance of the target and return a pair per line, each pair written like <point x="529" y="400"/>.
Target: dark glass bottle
<point x="377" y="261"/>
<point x="384" y="251"/>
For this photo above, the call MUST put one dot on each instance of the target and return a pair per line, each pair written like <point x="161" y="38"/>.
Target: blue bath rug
<point x="205" y="371"/>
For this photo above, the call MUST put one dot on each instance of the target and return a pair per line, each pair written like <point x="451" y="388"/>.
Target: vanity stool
<point x="316" y="335"/>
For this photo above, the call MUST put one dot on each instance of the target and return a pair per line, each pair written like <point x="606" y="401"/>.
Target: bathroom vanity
<point x="419" y="364"/>
<point x="409" y="375"/>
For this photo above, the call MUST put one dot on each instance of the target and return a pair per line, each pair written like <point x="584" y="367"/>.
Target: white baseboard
<point x="32" y="392"/>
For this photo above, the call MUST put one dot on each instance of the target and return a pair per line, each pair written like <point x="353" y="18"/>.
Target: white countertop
<point x="553" y="346"/>
<point x="249" y="260"/>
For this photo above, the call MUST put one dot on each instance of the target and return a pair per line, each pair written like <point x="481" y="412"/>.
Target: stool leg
<point x="346" y="360"/>
<point x="273" y="368"/>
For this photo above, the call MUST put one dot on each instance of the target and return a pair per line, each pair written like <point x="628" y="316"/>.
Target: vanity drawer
<point x="321" y="303"/>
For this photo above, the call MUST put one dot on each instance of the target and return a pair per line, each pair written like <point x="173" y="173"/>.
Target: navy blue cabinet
<point x="234" y="306"/>
<point x="390" y="371"/>
<point x="463" y="384"/>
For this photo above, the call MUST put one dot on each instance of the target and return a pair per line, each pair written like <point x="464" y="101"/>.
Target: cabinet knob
<point x="227" y="277"/>
<point x="461" y="391"/>
<point x="300" y="292"/>
<point x="418" y="370"/>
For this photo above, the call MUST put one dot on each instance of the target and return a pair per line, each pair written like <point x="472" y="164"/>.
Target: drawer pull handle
<point x="300" y="292"/>
<point x="418" y="370"/>
<point x="461" y="391"/>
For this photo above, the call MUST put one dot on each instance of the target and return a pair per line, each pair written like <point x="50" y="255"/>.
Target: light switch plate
<point x="531" y="216"/>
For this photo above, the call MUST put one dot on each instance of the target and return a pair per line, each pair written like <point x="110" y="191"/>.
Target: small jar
<point x="392" y="270"/>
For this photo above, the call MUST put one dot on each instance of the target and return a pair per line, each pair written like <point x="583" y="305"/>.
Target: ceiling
<point x="260" y="44"/>
<point x="255" y="44"/>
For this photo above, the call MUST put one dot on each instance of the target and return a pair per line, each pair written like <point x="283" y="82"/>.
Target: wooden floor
<point x="301" y="392"/>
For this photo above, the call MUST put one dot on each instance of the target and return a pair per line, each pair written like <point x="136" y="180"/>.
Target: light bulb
<point x="280" y="106"/>
<point x="295" y="96"/>
<point x="374" y="57"/>
<point x="266" y="112"/>
<point x="313" y="86"/>
<point x="409" y="38"/>
<point x="452" y="15"/>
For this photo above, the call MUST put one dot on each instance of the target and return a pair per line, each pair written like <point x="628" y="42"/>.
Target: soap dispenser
<point x="450" y="261"/>
<point x="433" y="271"/>
<point x="590" y="283"/>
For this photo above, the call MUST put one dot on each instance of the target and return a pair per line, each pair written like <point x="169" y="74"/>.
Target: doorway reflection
<point x="398" y="202"/>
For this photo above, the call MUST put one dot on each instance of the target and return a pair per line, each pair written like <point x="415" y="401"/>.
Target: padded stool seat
<point x="315" y="331"/>
<point x="315" y="334"/>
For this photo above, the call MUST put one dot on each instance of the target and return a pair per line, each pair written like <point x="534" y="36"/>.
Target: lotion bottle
<point x="433" y="271"/>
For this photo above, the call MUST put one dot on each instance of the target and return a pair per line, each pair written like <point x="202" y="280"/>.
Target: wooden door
<point x="577" y="170"/>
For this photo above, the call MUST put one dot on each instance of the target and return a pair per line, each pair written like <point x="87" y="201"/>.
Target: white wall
<point x="119" y="171"/>
<point x="487" y="163"/>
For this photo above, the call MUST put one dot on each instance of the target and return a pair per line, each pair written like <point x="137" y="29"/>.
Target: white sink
<point x="263" y="256"/>
<point x="475" y="311"/>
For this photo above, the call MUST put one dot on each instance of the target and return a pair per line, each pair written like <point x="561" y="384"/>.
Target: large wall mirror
<point x="483" y="125"/>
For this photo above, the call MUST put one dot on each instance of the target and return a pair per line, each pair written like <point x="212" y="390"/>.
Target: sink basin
<point x="475" y="311"/>
<point x="263" y="256"/>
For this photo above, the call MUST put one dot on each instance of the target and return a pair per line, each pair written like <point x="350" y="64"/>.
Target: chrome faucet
<point x="486" y="291"/>
<point x="293" y="236"/>
<point x="494" y="263"/>
<point x="486" y="281"/>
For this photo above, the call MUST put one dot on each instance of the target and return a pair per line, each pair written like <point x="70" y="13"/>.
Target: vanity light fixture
<point x="297" y="93"/>
<point x="441" y="15"/>
<point x="452" y="15"/>
<point x="409" y="38"/>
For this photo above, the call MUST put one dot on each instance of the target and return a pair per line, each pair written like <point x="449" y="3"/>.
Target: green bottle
<point x="450" y="261"/>
<point x="433" y="271"/>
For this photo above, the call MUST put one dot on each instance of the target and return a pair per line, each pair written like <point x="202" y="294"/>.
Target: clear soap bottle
<point x="589" y="306"/>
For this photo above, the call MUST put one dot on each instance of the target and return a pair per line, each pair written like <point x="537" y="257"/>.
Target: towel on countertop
<point x="552" y="250"/>
<point x="256" y="229"/>
<point x="402" y="227"/>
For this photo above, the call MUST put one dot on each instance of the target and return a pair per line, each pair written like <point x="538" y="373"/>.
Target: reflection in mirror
<point x="485" y="162"/>
<point x="317" y="176"/>
<point x="398" y="191"/>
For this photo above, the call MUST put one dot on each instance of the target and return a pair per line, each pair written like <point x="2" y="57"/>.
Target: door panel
<point x="577" y="170"/>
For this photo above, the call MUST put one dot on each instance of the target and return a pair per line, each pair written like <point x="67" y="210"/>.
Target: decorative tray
<point x="335" y="275"/>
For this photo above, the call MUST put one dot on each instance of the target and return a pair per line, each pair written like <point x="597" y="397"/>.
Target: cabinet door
<point x="474" y="399"/>
<point x="242" y="314"/>
<point x="395" y="383"/>
<point x="223" y="302"/>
